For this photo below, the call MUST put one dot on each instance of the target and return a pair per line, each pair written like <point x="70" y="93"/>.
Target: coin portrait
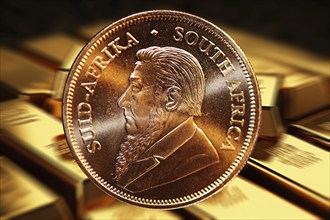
<point x="161" y="109"/>
<point x="166" y="91"/>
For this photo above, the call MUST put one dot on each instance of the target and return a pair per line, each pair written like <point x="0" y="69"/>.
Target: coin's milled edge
<point x="213" y="187"/>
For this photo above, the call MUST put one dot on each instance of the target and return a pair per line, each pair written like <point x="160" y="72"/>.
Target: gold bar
<point x="23" y="197"/>
<point x="263" y="65"/>
<point x="305" y="87"/>
<point x="39" y="138"/>
<point x="120" y="210"/>
<point x="63" y="71"/>
<point x="271" y="123"/>
<point x="299" y="166"/>
<point x="279" y="52"/>
<point x="88" y="31"/>
<point x="301" y="93"/>
<point x="304" y="93"/>
<point x="314" y="129"/>
<point x="53" y="105"/>
<point x="243" y="199"/>
<point x="53" y="47"/>
<point x="23" y="76"/>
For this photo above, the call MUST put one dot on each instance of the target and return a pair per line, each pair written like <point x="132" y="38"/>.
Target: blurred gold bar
<point x="120" y="210"/>
<point x="271" y="123"/>
<point x="299" y="166"/>
<point x="39" y="138"/>
<point x="303" y="93"/>
<point x="306" y="83"/>
<point x="264" y="66"/>
<point x="23" y="197"/>
<point x="243" y="199"/>
<point x="23" y="76"/>
<point x="88" y="31"/>
<point x="281" y="53"/>
<point x="53" y="47"/>
<point x="314" y="129"/>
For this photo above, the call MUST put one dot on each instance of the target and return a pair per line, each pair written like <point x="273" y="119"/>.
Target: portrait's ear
<point x="173" y="98"/>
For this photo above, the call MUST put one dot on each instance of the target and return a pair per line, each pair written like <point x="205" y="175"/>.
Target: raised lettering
<point x="207" y="48"/>
<point x="217" y="54"/>
<point x="194" y="38"/>
<point x="91" y="72"/>
<point x="179" y="34"/>
<point x="100" y="63"/>
<point x="234" y="132"/>
<point x="131" y="40"/>
<point x="89" y="86"/>
<point x="226" y="67"/>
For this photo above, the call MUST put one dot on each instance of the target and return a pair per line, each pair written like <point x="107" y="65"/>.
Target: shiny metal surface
<point x="161" y="109"/>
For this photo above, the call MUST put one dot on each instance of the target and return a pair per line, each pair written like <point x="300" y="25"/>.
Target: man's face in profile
<point x="139" y="100"/>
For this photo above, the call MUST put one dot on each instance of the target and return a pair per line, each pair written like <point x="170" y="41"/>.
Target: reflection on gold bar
<point x="304" y="166"/>
<point x="23" y="76"/>
<point x="88" y="31"/>
<point x="53" y="105"/>
<point x="242" y="199"/>
<point x="39" y="138"/>
<point x="263" y="65"/>
<point x="304" y="93"/>
<point x="271" y="123"/>
<point x="63" y="71"/>
<point x="53" y="47"/>
<point x="315" y="129"/>
<point x="121" y="210"/>
<point x="23" y="197"/>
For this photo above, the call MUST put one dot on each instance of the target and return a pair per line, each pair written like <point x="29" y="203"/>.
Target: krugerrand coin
<point x="161" y="109"/>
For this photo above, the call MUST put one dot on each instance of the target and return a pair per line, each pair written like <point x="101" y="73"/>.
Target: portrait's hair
<point x="176" y="67"/>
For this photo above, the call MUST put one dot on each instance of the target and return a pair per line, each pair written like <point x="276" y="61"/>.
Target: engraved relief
<point x="163" y="143"/>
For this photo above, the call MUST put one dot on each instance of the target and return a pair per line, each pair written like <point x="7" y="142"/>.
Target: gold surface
<point x="271" y="123"/>
<point x="243" y="199"/>
<point x="269" y="87"/>
<point x="35" y="130"/>
<point x="53" y="47"/>
<point x="24" y="76"/>
<point x="64" y="69"/>
<point x="317" y="124"/>
<point x="254" y="45"/>
<point x="121" y="210"/>
<point x="301" y="162"/>
<point x="304" y="93"/>
<point x="39" y="136"/>
<point x="92" y="29"/>
<point x="266" y="57"/>
<point x="22" y="195"/>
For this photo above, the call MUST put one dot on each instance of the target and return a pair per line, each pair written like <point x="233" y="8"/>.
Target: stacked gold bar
<point x="23" y="77"/>
<point x="38" y="137"/>
<point x="289" y="172"/>
<point x="289" y="165"/>
<point x="271" y="122"/>
<point x="53" y="47"/>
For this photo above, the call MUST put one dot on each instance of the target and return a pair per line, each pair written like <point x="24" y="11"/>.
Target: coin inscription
<point x="161" y="109"/>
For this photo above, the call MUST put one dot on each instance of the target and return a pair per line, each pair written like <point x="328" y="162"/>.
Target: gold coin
<point x="161" y="109"/>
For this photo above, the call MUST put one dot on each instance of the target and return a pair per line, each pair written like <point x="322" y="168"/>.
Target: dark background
<point x="300" y="23"/>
